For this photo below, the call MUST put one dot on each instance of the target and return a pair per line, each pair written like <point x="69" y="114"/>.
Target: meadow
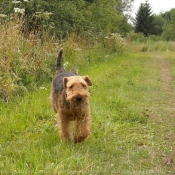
<point x="132" y="108"/>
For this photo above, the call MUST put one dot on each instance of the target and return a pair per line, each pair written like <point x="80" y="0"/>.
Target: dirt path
<point x="168" y="159"/>
<point x="166" y="76"/>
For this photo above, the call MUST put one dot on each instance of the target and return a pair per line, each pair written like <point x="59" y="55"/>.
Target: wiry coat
<point x="70" y="100"/>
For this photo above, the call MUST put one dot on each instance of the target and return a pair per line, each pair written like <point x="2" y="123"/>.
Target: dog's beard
<point x="80" y="108"/>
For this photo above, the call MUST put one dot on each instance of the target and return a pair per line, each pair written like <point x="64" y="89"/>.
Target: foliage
<point x="164" y="24"/>
<point x="36" y="19"/>
<point x="136" y="37"/>
<point x="22" y="61"/>
<point x="28" y="62"/>
<point x="137" y="42"/>
<point x="158" y="22"/>
<point x="161" y="25"/>
<point x="66" y="16"/>
<point x="144" y="19"/>
<point x="169" y="26"/>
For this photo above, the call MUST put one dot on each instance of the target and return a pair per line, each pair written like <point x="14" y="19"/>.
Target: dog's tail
<point x="59" y="68"/>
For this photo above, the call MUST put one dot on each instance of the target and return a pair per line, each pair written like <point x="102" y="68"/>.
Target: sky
<point x="156" y="5"/>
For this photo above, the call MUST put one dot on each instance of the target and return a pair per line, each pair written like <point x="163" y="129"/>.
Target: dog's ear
<point x="87" y="80"/>
<point x="65" y="80"/>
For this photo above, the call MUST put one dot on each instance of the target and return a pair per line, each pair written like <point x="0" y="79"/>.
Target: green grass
<point x="130" y="134"/>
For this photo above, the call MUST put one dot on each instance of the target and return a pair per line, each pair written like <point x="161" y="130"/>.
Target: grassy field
<point x="133" y="125"/>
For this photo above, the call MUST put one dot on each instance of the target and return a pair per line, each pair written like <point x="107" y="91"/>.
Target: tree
<point x="169" y="26"/>
<point x="159" y="22"/>
<point x="61" y="17"/>
<point x="144" y="19"/>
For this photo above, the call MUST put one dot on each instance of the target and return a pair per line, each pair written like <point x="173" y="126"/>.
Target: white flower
<point x="3" y="16"/>
<point x="18" y="10"/>
<point x="26" y="1"/>
<point x="112" y="165"/>
<point x="65" y="64"/>
<point x="78" y="49"/>
<point x="22" y="11"/>
<point x="16" y="2"/>
<point x="43" y="88"/>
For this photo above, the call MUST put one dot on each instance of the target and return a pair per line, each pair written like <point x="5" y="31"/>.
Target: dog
<point x="70" y="101"/>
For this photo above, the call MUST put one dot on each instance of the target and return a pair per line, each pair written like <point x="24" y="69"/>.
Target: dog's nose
<point x="79" y="98"/>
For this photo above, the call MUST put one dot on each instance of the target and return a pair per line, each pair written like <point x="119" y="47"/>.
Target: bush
<point x="65" y="16"/>
<point x="23" y="61"/>
<point x="137" y="37"/>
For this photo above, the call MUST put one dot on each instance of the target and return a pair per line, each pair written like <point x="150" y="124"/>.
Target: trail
<point x="166" y="76"/>
<point x="168" y="118"/>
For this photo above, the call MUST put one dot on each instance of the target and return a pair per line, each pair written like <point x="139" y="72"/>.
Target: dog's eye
<point x="84" y="86"/>
<point x="71" y="86"/>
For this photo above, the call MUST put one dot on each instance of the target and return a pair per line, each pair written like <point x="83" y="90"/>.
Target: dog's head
<point x="76" y="88"/>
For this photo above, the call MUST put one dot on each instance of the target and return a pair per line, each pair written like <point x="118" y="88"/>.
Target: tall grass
<point x="139" y="43"/>
<point x="26" y="62"/>
<point x="23" y="61"/>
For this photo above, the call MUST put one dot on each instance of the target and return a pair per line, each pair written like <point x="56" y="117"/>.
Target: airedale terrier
<point x="70" y="101"/>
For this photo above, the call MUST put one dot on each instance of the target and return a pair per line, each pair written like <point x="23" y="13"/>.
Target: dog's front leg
<point x="64" y="127"/>
<point x="82" y="129"/>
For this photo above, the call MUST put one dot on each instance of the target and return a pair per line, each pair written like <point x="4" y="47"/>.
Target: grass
<point x="27" y="61"/>
<point x="129" y="133"/>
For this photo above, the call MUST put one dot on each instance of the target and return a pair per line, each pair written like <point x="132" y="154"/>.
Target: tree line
<point x="63" y="17"/>
<point x="148" y="23"/>
<point x="60" y="17"/>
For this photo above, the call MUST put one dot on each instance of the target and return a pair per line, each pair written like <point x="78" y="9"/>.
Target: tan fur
<point x="68" y="108"/>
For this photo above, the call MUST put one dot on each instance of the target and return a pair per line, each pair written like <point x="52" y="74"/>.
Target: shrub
<point x="23" y="61"/>
<point x="137" y="37"/>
